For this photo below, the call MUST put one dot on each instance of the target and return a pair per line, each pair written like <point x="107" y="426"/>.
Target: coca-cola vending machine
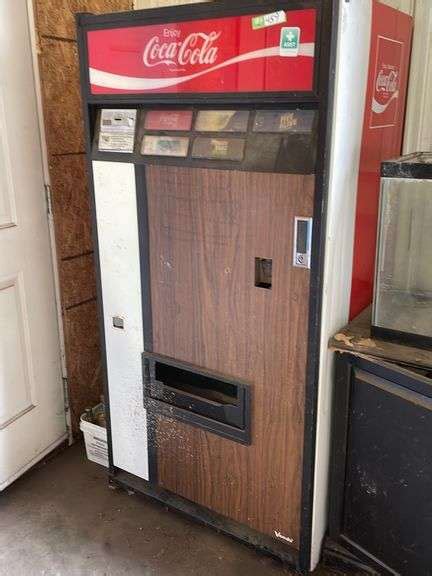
<point x="223" y="192"/>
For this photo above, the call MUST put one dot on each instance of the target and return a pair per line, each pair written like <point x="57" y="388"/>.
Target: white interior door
<point x="32" y="418"/>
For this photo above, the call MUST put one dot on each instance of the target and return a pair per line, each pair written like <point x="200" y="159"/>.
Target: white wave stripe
<point x="381" y="108"/>
<point x="108" y="80"/>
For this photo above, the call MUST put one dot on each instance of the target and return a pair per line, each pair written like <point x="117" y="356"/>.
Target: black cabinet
<point x="381" y="476"/>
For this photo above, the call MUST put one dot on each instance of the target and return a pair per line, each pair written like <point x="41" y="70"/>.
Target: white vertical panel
<point x="418" y="121"/>
<point x="350" y="94"/>
<point x="117" y="226"/>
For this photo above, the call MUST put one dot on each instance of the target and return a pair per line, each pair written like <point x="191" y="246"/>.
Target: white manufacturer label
<point x="282" y="537"/>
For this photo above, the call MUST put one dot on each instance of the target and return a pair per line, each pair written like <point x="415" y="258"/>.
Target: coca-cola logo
<point x="388" y="67"/>
<point x="197" y="48"/>
<point x="387" y="82"/>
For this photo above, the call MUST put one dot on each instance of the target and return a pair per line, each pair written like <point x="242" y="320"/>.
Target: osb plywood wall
<point x="58" y="62"/>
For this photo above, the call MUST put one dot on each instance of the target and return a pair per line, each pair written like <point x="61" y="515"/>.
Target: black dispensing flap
<point x="181" y="391"/>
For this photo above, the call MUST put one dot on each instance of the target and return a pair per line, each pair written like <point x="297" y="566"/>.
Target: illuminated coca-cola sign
<point x="205" y="56"/>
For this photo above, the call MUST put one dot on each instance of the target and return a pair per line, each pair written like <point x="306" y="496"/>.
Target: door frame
<point x="50" y="217"/>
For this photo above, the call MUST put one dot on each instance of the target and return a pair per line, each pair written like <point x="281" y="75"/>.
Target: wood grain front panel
<point x="206" y="229"/>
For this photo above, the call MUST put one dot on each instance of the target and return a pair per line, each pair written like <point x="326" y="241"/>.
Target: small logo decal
<point x="387" y="78"/>
<point x="282" y="537"/>
<point x="289" y="41"/>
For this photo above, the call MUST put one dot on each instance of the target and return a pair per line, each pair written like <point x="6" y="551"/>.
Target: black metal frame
<point x="416" y="165"/>
<point x="207" y="517"/>
<point x="321" y="98"/>
<point x="345" y="366"/>
<point x="417" y="340"/>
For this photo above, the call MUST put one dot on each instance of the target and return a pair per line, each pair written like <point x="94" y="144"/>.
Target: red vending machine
<point x="214" y="157"/>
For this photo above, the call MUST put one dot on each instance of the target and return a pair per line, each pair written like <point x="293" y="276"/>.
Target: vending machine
<point x="214" y="157"/>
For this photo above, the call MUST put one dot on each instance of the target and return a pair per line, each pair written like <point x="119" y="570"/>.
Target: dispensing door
<point x="228" y="275"/>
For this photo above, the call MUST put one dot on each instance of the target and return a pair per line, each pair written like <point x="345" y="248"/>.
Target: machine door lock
<point x="302" y="242"/>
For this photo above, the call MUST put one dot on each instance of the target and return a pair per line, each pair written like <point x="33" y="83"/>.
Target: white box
<point x="95" y="437"/>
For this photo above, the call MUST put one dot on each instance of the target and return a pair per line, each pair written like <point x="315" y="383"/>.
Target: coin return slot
<point x="263" y="273"/>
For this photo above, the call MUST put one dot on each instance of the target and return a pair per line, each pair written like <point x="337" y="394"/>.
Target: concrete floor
<point x="62" y="519"/>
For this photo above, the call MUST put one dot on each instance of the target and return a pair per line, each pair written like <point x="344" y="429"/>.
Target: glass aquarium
<point x="403" y="284"/>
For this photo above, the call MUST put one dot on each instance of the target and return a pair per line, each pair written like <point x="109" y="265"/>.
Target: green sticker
<point x="289" y="41"/>
<point x="258" y="22"/>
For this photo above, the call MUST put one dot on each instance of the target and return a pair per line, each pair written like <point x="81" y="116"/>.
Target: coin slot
<point x="302" y="242"/>
<point x="302" y="236"/>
